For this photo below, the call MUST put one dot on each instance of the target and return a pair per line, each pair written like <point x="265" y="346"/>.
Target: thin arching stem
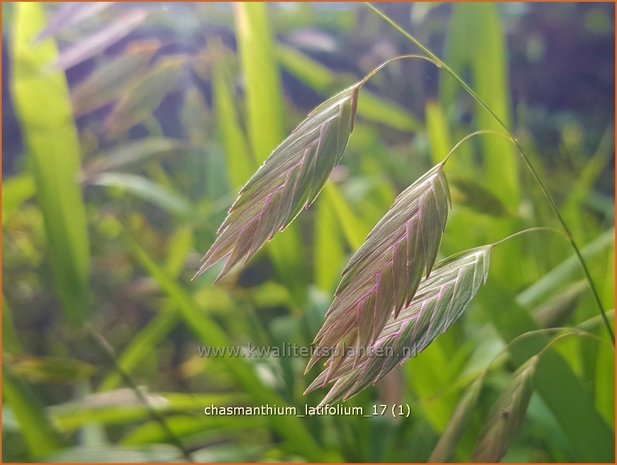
<point x="469" y="136"/>
<point x="370" y="75"/>
<point x="528" y="230"/>
<point x="439" y="63"/>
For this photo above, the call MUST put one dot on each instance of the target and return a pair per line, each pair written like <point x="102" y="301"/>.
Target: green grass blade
<point x="438" y="134"/>
<point x="35" y="426"/>
<point x="263" y="83"/>
<point x="43" y="105"/>
<point x="142" y="345"/>
<point x="240" y="164"/>
<point x="307" y="70"/>
<point x="377" y="110"/>
<point x="565" y="271"/>
<point x="10" y="341"/>
<point x="15" y="192"/>
<point x="354" y="229"/>
<point x="485" y="56"/>
<point x="147" y="190"/>
<point x="329" y="250"/>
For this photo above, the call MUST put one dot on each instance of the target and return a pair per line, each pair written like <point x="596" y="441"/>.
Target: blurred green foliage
<point x="119" y="167"/>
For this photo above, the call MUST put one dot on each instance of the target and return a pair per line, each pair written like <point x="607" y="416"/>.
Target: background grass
<point x="118" y="169"/>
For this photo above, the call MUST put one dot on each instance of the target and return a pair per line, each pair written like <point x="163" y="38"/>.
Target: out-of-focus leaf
<point x="268" y="295"/>
<point x="469" y="193"/>
<point x="147" y="190"/>
<point x="228" y="453"/>
<point x="109" y="79"/>
<point x="144" y="96"/>
<point x="307" y="70"/>
<point x="371" y="107"/>
<point x="101" y="40"/>
<point x="69" y="14"/>
<point x="564" y="272"/>
<point x="240" y="164"/>
<point x="262" y="78"/>
<point x="558" y="310"/>
<point x="142" y="344"/>
<point x="54" y="370"/>
<point x="122" y="406"/>
<point x="377" y="110"/>
<point x="10" y="342"/>
<point x="354" y="230"/>
<point x="438" y="133"/>
<point x="210" y="427"/>
<point x="433" y="372"/>
<point x="153" y="453"/>
<point x="42" y="103"/>
<point x="207" y="161"/>
<point x="15" y="191"/>
<point x="40" y="436"/>
<point x="179" y="246"/>
<point x="131" y="153"/>
<point x="476" y="43"/>
<point x="329" y="249"/>
<point x="605" y="383"/>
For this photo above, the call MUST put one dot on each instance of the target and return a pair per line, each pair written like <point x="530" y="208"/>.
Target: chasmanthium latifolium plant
<point x="391" y="296"/>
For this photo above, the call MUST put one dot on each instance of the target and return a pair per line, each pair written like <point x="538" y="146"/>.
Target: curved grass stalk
<point x="440" y="64"/>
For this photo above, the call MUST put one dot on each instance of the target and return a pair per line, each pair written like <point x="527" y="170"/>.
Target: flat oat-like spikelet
<point x="289" y="180"/>
<point x="383" y="276"/>
<point x="506" y="415"/>
<point x="440" y="301"/>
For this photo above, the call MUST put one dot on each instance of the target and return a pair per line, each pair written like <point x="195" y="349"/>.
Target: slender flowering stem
<point x="528" y="230"/>
<point x="439" y="63"/>
<point x="469" y="136"/>
<point x="370" y="75"/>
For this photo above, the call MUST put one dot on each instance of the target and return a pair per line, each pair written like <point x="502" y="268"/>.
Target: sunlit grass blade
<point x="240" y="163"/>
<point x="43" y="105"/>
<point x="289" y="180"/>
<point x="440" y="300"/>
<point x="16" y="190"/>
<point x="484" y="54"/>
<point x="383" y="275"/>
<point x="506" y="415"/>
